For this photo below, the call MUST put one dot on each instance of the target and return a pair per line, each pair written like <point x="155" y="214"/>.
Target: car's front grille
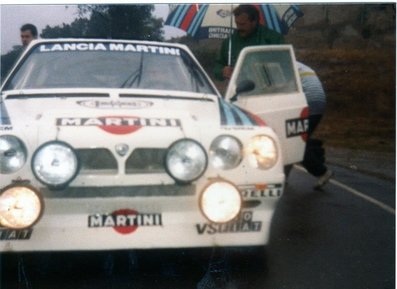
<point x="102" y="161"/>
<point x="121" y="191"/>
<point x="97" y="161"/>
<point x="145" y="161"/>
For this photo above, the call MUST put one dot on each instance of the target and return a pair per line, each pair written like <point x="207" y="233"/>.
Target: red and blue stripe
<point x="232" y="115"/>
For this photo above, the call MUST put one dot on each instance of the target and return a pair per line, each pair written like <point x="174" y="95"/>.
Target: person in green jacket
<point x="249" y="32"/>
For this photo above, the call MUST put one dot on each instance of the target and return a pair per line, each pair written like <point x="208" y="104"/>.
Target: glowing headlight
<point x="20" y="207"/>
<point x="55" y="163"/>
<point x="220" y="201"/>
<point x="262" y="152"/>
<point x="12" y="154"/>
<point x="225" y="152"/>
<point x="186" y="160"/>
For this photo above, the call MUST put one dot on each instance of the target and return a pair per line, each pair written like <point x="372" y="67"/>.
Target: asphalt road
<point x="341" y="237"/>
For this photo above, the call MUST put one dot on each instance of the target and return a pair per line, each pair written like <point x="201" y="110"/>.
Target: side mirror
<point x="243" y="86"/>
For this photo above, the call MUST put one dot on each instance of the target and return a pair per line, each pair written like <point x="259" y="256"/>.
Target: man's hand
<point x="227" y="72"/>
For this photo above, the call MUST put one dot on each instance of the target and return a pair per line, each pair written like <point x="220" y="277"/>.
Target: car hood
<point x="51" y="114"/>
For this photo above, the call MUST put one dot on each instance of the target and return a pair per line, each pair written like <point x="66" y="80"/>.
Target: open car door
<point x="277" y="97"/>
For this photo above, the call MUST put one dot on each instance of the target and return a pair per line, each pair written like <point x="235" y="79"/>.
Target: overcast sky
<point x="12" y="17"/>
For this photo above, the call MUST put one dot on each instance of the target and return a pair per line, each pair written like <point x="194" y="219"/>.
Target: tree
<point x="8" y="60"/>
<point x="111" y="21"/>
<point x="77" y="29"/>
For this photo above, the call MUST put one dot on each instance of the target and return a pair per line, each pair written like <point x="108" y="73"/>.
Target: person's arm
<point x="271" y="37"/>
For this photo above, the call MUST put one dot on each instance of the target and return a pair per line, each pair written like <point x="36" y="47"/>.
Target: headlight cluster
<point x="220" y="201"/>
<point x="262" y="152"/>
<point x="55" y="163"/>
<point x="13" y="154"/>
<point x="226" y="152"/>
<point x="186" y="160"/>
<point x="20" y="207"/>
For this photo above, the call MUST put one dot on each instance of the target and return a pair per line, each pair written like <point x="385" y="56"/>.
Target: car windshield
<point x="109" y="65"/>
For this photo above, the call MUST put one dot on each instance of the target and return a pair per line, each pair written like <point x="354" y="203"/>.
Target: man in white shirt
<point x="314" y="158"/>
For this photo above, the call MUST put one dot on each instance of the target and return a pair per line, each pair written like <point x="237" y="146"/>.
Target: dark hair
<point x="30" y="27"/>
<point x="250" y="10"/>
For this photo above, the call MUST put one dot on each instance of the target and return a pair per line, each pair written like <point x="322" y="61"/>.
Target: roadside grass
<point x="357" y="133"/>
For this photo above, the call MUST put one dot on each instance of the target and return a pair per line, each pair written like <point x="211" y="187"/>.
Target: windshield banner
<point x="117" y="47"/>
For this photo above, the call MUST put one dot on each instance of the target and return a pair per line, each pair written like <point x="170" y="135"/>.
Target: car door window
<point x="272" y="72"/>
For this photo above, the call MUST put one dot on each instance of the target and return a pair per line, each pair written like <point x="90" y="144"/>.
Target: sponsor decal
<point x="298" y="126"/>
<point x="115" y="47"/>
<point x="242" y="224"/>
<point x="115" y="104"/>
<point x="5" y="127"/>
<point x="124" y="221"/>
<point x="219" y="32"/>
<point x="118" y="124"/>
<point x="223" y="13"/>
<point x="267" y="191"/>
<point x="12" y="234"/>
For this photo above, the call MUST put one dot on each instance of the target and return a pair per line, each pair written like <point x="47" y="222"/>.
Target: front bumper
<point x="144" y="217"/>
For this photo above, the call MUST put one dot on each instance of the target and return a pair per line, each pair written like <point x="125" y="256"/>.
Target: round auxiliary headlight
<point x="186" y="160"/>
<point x="20" y="207"/>
<point x="13" y="154"/>
<point x="220" y="201"/>
<point x="55" y="163"/>
<point x="225" y="152"/>
<point x="262" y="152"/>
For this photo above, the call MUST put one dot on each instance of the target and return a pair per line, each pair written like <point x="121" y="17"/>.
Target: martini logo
<point x="124" y="221"/>
<point x="118" y="124"/>
<point x="117" y="47"/>
<point x="298" y="126"/>
<point x="243" y="224"/>
<point x="11" y="234"/>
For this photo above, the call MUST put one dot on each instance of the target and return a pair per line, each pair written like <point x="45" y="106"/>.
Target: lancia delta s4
<point x="108" y="144"/>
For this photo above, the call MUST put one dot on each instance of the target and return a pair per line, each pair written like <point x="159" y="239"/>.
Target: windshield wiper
<point x="136" y="75"/>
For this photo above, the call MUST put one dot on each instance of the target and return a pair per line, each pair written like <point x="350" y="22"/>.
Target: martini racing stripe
<point x="4" y="117"/>
<point x="233" y="115"/>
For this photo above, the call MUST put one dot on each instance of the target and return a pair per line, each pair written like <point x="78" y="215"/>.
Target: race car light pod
<point x="225" y="152"/>
<point x="55" y="163"/>
<point x="13" y="154"/>
<point x="186" y="160"/>
<point x="261" y="152"/>
<point x="20" y="207"/>
<point x="220" y="201"/>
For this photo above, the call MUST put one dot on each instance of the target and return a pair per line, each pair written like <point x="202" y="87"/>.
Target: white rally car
<point x="108" y="144"/>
